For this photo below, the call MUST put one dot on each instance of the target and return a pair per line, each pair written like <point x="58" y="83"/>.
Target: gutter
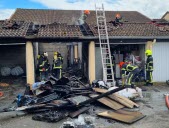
<point x="82" y="39"/>
<point x="132" y="37"/>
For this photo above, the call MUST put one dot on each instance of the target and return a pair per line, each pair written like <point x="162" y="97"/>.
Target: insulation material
<point x="129" y="92"/>
<point x="17" y="71"/>
<point x="5" y="71"/>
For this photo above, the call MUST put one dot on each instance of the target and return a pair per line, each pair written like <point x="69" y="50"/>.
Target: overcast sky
<point x="150" y="8"/>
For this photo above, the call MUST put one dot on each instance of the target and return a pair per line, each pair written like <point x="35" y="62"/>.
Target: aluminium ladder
<point x="108" y="74"/>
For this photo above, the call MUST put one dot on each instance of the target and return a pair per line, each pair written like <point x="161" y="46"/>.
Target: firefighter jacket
<point x="57" y="62"/>
<point x="127" y="68"/>
<point x="149" y="63"/>
<point x="43" y="64"/>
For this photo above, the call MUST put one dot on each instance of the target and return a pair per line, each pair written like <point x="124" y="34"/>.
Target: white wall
<point x="161" y="62"/>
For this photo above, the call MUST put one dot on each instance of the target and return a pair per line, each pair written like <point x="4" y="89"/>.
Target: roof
<point x="134" y="29"/>
<point x="45" y="16"/>
<point x="60" y="30"/>
<point x="63" y="23"/>
<point x="128" y="17"/>
<point x="160" y="20"/>
<point x="12" y="32"/>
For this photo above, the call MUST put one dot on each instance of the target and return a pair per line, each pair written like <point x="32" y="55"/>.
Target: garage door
<point x="161" y="62"/>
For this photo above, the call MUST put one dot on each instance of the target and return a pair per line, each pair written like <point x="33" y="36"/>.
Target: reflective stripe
<point x="60" y="75"/>
<point x="130" y="68"/>
<point x="129" y="79"/>
<point x="151" y="78"/>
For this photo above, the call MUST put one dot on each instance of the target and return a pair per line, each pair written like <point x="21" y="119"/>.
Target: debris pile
<point x="54" y="100"/>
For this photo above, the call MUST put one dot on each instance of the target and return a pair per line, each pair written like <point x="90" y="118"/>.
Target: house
<point x="42" y="30"/>
<point x="166" y="16"/>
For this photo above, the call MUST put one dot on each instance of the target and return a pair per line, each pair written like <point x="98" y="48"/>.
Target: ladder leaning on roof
<point x="108" y="74"/>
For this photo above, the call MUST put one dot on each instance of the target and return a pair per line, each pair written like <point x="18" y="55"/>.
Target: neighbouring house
<point x="40" y="30"/>
<point x="166" y="16"/>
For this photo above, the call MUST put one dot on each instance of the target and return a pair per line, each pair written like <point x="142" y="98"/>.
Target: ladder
<point x="108" y="74"/>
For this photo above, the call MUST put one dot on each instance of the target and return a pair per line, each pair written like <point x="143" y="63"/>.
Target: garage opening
<point x="71" y="53"/>
<point x="12" y="61"/>
<point x="121" y="52"/>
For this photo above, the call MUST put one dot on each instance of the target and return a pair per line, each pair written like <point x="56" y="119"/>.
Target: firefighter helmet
<point x="87" y="12"/>
<point x="55" y="53"/>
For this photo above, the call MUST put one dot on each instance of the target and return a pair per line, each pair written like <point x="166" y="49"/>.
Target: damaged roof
<point x="64" y="23"/>
<point x="21" y="31"/>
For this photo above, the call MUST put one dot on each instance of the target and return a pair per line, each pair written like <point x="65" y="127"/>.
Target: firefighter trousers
<point x="57" y="73"/>
<point x="132" y="76"/>
<point x="149" y="77"/>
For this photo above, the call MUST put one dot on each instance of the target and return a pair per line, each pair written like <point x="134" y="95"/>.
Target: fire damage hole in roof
<point x="33" y="29"/>
<point x="11" y="24"/>
<point x="86" y="30"/>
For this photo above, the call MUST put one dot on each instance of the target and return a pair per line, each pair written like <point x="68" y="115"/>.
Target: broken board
<point x="121" y="99"/>
<point x="108" y="102"/>
<point x="123" y="116"/>
<point x="78" y="112"/>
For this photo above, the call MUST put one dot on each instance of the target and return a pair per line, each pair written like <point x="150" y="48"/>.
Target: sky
<point x="154" y="9"/>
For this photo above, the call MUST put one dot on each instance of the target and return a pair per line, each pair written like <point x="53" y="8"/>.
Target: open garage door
<point x="12" y="55"/>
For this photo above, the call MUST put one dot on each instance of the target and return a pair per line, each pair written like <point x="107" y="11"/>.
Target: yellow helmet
<point x="55" y="53"/>
<point x="148" y="52"/>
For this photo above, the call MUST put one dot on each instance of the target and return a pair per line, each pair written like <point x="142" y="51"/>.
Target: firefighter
<point x="149" y="68"/>
<point x="133" y="71"/>
<point x="44" y="66"/>
<point x="57" y="65"/>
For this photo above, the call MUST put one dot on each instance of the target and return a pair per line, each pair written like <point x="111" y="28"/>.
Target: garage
<point x="121" y="52"/>
<point x="12" y="55"/>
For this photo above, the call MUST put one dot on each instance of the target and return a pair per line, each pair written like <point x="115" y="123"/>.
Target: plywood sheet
<point x="126" y="118"/>
<point x="121" y="99"/>
<point x="108" y="102"/>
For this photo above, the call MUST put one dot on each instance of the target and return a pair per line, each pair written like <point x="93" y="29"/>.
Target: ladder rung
<point x="106" y="63"/>
<point x="100" y="17"/>
<point x="104" y="43"/>
<point x="106" y="58"/>
<point x="102" y="29"/>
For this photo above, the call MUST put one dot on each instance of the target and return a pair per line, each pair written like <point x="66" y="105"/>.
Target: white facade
<point x="161" y="62"/>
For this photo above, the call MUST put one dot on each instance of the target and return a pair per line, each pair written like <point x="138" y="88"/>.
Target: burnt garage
<point x="12" y="56"/>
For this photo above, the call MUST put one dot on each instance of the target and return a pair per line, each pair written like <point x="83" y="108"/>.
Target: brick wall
<point x="12" y="55"/>
<point x="51" y="48"/>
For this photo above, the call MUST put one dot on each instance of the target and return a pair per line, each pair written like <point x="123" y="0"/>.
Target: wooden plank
<point x="136" y="114"/>
<point x="121" y="117"/>
<point x="78" y="112"/>
<point x="121" y="99"/>
<point x="126" y="100"/>
<point x="108" y="102"/>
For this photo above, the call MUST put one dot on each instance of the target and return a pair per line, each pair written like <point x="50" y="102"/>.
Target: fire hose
<point x="167" y="100"/>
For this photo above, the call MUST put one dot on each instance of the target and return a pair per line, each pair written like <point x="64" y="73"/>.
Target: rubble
<point x="54" y="100"/>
